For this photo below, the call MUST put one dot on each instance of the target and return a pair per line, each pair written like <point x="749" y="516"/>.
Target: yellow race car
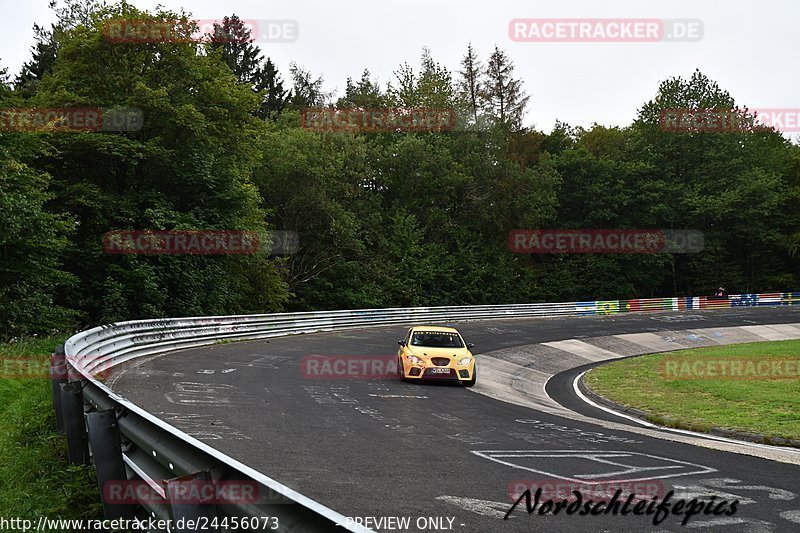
<point x="435" y="353"/>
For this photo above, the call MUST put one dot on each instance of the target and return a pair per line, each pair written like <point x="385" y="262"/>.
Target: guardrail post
<point x="74" y="424"/>
<point x="107" y="455"/>
<point x="58" y="375"/>
<point x="190" y="500"/>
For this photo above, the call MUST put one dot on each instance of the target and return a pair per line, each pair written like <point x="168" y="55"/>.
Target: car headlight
<point x="465" y="360"/>
<point x="414" y="359"/>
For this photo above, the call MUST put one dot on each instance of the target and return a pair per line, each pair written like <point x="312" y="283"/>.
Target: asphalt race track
<point x="442" y="455"/>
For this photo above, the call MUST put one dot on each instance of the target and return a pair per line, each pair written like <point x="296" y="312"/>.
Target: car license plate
<point x="440" y="370"/>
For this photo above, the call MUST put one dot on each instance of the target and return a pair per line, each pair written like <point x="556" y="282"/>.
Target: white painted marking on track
<point x="752" y="525"/>
<point x="716" y="522"/>
<point x="702" y="491"/>
<point x="728" y="483"/>
<point x="678" y="318"/>
<point x="472" y="440"/>
<point x="589" y="436"/>
<point x="448" y="417"/>
<point x="481" y="507"/>
<point x="204" y="426"/>
<point x="209" y="394"/>
<point x="597" y="456"/>
<point x="397" y="396"/>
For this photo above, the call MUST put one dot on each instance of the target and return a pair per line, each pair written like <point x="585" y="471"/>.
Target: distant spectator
<point x="720" y="292"/>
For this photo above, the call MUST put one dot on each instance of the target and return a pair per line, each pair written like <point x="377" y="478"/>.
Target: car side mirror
<point x="401" y="343"/>
<point x="470" y="345"/>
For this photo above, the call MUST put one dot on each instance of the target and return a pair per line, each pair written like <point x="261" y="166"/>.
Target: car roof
<point x="442" y="329"/>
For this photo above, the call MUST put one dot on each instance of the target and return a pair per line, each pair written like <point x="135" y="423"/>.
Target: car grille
<point x="440" y="361"/>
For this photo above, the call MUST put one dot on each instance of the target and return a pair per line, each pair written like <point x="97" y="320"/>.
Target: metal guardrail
<point x="126" y="442"/>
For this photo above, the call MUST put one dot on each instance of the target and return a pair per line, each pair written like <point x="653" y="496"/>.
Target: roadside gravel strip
<point x="382" y="448"/>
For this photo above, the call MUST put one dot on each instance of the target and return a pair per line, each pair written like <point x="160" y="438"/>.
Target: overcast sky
<point x="749" y="48"/>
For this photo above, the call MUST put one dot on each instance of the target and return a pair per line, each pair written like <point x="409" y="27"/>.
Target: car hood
<point x="424" y="351"/>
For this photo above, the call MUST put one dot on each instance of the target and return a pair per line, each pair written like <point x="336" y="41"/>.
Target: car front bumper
<point x="430" y="372"/>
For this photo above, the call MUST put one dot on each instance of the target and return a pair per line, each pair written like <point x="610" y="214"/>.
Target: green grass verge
<point x="766" y="407"/>
<point x="35" y="477"/>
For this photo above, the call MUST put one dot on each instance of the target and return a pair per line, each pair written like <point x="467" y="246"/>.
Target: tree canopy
<point x="384" y="218"/>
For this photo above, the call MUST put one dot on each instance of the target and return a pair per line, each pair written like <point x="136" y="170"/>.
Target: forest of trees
<point x="385" y="219"/>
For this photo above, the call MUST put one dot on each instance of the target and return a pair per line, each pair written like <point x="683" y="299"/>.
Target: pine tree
<point x="432" y="88"/>
<point x="435" y="83"/>
<point x="233" y="39"/>
<point x="405" y="94"/>
<point x="505" y="98"/>
<point x="307" y="92"/>
<point x="365" y="94"/>
<point x="44" y="57"/>
<point x="3" y="77"/>
<point x="469" y="85"/>
<point x="275" y="98"/>
<point x="73" y="13"/>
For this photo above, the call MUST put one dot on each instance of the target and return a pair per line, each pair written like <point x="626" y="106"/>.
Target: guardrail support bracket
<point x="74" y="424"/>
<point x="58" y="375"/>
<point x="107" y="455"/>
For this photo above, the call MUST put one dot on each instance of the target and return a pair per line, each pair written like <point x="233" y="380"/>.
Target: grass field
<point x="769" y="407"/>
<point x="35" y="478"/>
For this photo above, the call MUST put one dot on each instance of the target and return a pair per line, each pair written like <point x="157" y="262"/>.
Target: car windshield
<point x="436" y="339"/>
